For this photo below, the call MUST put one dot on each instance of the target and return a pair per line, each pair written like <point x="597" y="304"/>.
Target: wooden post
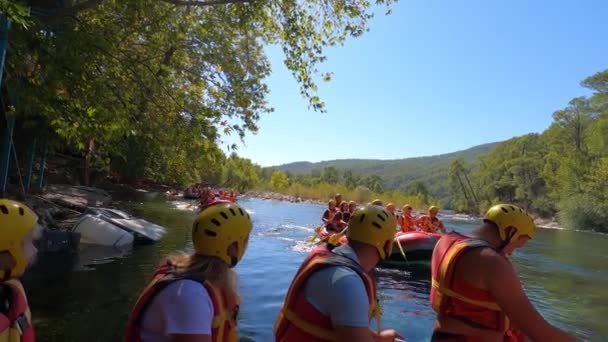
<point x="29" y="167"/>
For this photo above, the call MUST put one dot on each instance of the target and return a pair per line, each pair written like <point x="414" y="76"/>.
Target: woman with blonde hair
<point x="194" y="297"/>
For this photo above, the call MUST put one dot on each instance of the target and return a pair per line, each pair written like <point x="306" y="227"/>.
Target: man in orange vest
<point x="333" y="295"/>
<point x="406" y="221"/>
<point x="431" y="223"/>
<point x="475" y="290"/>
<point x="18" y="227"/>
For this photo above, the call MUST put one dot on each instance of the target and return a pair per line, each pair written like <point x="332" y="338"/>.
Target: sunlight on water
<point x="565" y="281"/>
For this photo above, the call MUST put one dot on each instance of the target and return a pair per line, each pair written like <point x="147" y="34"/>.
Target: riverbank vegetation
<point x="144" y="89"/>
<point x="561" y="172"/>
<point x="325" y="185"/>
<point x="148" y="90"/>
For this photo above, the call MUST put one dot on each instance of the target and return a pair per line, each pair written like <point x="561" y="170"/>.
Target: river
<point x="87" y="298"/>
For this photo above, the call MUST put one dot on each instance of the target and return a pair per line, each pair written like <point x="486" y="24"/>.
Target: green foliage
<point x="148" y="89"/>
<point x="564" y="170"/>
<point x="314" y="187"/>
<point x="15" y="11"/>
<point x="396" y="174"/>
<point x="240" y="174"/>
<point x="279" y="181"/>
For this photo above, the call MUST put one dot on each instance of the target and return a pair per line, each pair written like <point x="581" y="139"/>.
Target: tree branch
<point x="205" y="3"/>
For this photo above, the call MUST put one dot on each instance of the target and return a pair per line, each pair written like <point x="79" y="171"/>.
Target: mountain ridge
<point x="397" y="174"/>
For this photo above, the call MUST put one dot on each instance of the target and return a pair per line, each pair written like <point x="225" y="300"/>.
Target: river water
<point x="87" y="298"/>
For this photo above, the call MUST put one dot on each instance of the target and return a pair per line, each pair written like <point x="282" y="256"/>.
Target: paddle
<point x="335" y="238"/>
<point x="314" y="237"/>
<point x="402" y="252"/>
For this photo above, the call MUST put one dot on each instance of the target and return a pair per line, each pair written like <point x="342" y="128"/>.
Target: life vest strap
<point x="23" y="321"/>
<point x="309" y="328"/>
<point x="447" y="292"/>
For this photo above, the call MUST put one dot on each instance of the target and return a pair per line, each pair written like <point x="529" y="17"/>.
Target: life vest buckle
<point x="21" y="323"/>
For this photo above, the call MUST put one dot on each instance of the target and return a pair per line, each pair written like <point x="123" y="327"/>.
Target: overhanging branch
<point x="205" y="3"/>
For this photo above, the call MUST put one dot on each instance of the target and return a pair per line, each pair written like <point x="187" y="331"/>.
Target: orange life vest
<point x="300" y="321"/>
<point x="16" y="321"/>
<point x="454" y="297"/>
<point x="225" y="309"/>
<point x="407" y="223"/>
<point x="429" y="224"/>
<point x="331" y="213"/>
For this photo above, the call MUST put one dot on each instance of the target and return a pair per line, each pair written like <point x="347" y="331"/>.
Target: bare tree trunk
<point x="466" y="177"/>
<point x="87" y="162"/>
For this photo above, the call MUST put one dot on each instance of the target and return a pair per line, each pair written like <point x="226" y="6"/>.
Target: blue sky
<point x="435" y="77"/>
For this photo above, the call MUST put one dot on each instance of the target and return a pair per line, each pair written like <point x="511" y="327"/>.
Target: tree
<point x="461" y="185"/>
<point x="372" y="182"/>
<point x="172" y="76"/>
<point x="331" y="175"/>
<point x="350" y="180"/>
<point x="278" y="180"/>
<point x="240" y="174"/>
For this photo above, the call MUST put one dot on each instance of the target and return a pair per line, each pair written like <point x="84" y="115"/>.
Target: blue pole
<point x="42" y="165"/>
<point x="29" y="167"/>
<point x="5" y="24"/>
<point x="6" y="152"/>
<point x="10" y="121"/>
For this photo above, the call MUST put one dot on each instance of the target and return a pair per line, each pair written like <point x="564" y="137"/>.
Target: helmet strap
<point x="510" y="231"/>
<point x="6" y="275"/>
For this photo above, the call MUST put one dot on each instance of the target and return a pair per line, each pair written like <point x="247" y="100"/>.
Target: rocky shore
<point x="268" y="195"/>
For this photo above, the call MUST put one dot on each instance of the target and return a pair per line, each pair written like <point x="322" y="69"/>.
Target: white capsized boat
<point x="142" y="230"/>
<point x="97" y="231"/>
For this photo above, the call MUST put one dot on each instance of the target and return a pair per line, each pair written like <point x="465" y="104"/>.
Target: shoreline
<point x="543" y="223"/>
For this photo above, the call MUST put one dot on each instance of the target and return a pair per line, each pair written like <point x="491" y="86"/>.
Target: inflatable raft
<point x="412" y="247"/>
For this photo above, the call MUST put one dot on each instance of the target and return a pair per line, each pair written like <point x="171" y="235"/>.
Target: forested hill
<point x="400" y="173"/>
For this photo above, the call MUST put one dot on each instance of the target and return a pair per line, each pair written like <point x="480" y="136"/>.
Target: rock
<point x="76" y="197"/>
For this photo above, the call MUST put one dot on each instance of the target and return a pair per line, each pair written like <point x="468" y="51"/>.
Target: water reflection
<point x="565" y="274"/>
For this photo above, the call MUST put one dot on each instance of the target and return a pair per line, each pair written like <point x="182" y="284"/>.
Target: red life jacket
<point x="16" y="323"/>
<point x="454" y="297"/>
<point x="429" y="224"/>
<point x="300" y="321"/>
<point x="225" y="309"/>
<point x="407" y="223"/>
<point x="331" y="213"/>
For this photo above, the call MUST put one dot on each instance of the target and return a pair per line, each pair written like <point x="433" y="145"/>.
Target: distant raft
<point x="412" y="247"/>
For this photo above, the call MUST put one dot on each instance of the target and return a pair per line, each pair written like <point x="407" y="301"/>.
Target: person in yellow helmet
<point x="391" y="209"/>
<point x="475" y="290"/>
<point x="377" y="202"/>
<point x="330" y="211"/>
<point x="406" y="221"/>
<point x="18" y="229"/>
<point x="430" y="223"/>
<point x="194" y="296"/>
<point x="333" y="296"/>
<point x="352" y="206"/>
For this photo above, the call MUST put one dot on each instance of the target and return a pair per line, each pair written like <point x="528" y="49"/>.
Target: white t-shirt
<point x="183" y="307"/>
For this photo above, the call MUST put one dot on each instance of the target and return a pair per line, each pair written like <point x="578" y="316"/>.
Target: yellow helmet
<point x="219" y="226"/>
<point x="407" y="206"/>
<point x="375" y="226"/>
<point x="390" y="205"/>
<point x="376" y="202"/>
<point x="433" y="208"/>
<point x="16" y="222"/>
<point x="508" y="215"/>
